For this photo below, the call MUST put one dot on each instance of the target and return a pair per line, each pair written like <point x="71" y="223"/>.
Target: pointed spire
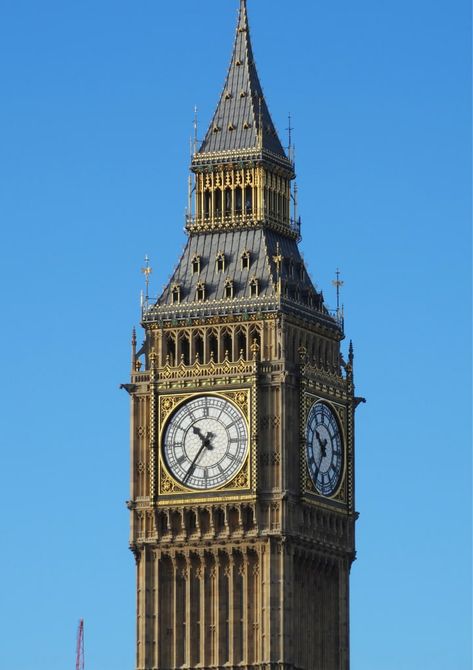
<point x="242" y="119"/>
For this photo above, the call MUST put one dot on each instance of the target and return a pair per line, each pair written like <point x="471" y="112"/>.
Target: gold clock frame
<point x="243" y="481"/>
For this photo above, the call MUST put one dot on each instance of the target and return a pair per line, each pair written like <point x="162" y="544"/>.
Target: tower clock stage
<point x="242" y="422"/>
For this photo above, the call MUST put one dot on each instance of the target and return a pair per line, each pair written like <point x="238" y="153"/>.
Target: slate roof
<point x="263" y="246"/>
<point x="242" y="108"/>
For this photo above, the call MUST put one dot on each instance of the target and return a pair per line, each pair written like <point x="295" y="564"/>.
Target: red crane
<point x="80" y="646"/>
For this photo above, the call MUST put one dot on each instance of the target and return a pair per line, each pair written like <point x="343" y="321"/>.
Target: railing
<point x="243" y="219"/>
<point x="151" y="313"/>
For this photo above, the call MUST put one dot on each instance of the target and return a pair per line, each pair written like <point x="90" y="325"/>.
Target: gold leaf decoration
<point x="240" y="481"/>
<point x="167" y="405"/>
<point x="167" y="485"/>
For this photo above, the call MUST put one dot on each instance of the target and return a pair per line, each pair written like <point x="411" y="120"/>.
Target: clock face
<point x="205" y="442"/>
<point x="324" y="449"/>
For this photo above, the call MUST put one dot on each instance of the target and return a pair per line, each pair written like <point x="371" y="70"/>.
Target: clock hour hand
<point x="198" y="432"/>
<point x="205" y="438"/>
<point x="323" y="444"/>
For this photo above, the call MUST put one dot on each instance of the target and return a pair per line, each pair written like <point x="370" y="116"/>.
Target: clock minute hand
<point x="206" y="444"/>
<point x="194" y="462"/>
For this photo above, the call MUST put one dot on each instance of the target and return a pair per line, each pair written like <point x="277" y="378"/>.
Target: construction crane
<point x="80" y="646"/>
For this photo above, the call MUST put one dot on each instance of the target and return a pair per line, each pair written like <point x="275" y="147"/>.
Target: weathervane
<point x="147" y="270"/>
<point x="338" y="283"/>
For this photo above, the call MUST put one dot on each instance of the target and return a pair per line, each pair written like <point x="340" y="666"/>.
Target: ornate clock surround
<point x="244" y="481"/>
<point x="340" y="411"/>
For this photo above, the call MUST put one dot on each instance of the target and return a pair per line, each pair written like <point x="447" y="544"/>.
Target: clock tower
<point x="242" y="422"/>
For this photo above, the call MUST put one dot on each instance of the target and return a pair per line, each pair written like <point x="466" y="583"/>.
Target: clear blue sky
<point x="95" y="117"/>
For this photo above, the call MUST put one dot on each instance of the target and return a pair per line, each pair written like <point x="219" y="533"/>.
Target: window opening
<point x="200" y="292"/>
<point x="196" y="265"/>
<point x="238" y="200"/>
<point x="220" y="262"/>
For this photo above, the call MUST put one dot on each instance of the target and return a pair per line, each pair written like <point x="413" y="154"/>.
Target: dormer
<point x="245" y="260"/>
<point x="228" y="289"/>
<point x="254" y="288"/>
<point x="176" y="294"/>
<point x="220" y="262"/>
<point x="196" y="265"/>
<point x="200" y="292"/>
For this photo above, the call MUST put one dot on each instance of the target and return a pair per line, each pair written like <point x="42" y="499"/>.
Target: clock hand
<point x="198" y="432"/>
<point x="206" y="444"/>
<point x="194" y="463"/>
<point x="323" y="444"/>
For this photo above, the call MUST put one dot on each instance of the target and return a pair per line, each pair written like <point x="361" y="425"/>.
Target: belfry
<point x="242" y="422"/>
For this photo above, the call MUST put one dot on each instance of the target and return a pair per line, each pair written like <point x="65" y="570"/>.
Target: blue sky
<point x="96" y="111"/>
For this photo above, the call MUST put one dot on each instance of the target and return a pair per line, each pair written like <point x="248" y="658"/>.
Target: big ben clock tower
<point x="242" y="422"/>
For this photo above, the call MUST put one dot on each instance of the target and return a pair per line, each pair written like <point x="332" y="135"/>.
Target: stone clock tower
<point x="242" y="422"/>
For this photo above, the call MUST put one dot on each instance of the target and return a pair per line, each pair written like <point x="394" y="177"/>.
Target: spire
<point x="242" y="119"/>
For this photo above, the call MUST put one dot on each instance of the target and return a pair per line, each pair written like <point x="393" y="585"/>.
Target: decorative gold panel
<point x="243" y="399"/>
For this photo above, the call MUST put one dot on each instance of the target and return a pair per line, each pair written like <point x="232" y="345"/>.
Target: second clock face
<point x="324" y="449"/>
<point x="205" y="442"/>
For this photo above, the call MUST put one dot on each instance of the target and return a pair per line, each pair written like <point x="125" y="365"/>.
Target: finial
<point x="338" y="283"/>
<point x="147" y="270"/>
<point x="196" y="125"/>
<point x="351" y="355"/>
<point x="289" y="131"/>
<point x="295" y="200"/>
<point x="133" y="349"/>
<point x="278" y="260"/>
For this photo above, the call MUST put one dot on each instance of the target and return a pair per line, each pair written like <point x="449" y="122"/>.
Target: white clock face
<point x="324" y="449"/>
<point x="205" y="442"/>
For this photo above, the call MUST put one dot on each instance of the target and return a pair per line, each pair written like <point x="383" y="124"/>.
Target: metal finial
<point x="196" y="127"/>
<point x="289" y="131"/>
<point x="338" y="283"/>
<point x="147" y="270"/>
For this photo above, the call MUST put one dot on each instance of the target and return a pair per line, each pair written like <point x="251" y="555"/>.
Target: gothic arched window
<point x="228" y="289"/>
<point x="228" y="202"/>
<point x="220" y="261"/>
<point x="200" y="292"/>
<point x="176" y="294"/>
<point x="196" y="265"/>
<point x="254" y="288"/>
<point x="238" y="200"/>
<point x="248" y="200"/>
